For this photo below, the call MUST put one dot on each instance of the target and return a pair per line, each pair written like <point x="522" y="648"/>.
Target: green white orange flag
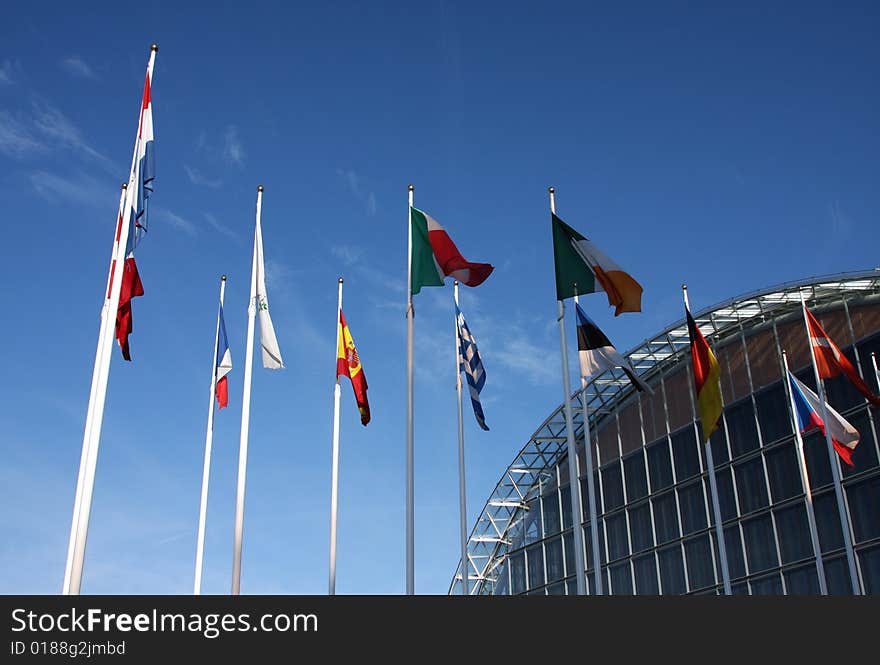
<point x="581" y="268"/>
<point x="707" y="378"/>
<point x="435" y="257"/>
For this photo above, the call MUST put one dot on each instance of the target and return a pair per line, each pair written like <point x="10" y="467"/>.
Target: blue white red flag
<point x="807" y="405"/>
<point x="146" y="167"/>
<point x="469" y="362"/>
<point x="224" y="362"/>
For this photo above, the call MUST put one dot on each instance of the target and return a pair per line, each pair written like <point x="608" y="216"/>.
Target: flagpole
<point x="462" y="496"/>
<point x="410" y="508"/>
<point x="591" y="489"/>
<point x="100" y="376"/>
<point x="574" y="481"/>
<point x="876" y="373"/>
<point x="713" y="488"/>
<point x="805" y="479"/>
<point x="245" y="411"/>
<point x="209" y="437"/>
<point x="334" y="473"/>
<point x="832" y="458"/>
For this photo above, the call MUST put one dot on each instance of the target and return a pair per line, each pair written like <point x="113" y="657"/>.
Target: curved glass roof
<point x="534" y="465"/>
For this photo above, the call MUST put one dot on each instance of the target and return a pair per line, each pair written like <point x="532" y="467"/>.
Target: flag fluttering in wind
<point x="435" y="256"/>
<point x="348" y="363"/>
<point x="597" y="354"/>
<point x="831" y="362"/>
<point x="581" y="268"/>
<point x="844" y="436"/>
<point x="268" y="342"/>
<point x="224" y="363"/>
<point x="707" y="378"/>
<point x="469" y="362"/>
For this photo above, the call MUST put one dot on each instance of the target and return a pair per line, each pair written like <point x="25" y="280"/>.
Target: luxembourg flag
<point x="224" y="364"/>
<point x="844" y="436"/>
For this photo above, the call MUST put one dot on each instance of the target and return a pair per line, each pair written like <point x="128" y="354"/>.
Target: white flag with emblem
<point x="268" y="341"/>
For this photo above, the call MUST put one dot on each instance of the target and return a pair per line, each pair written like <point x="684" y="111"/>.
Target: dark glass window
<point x="837" y="577"/>
<point x="816" y="454"/>
<point x="518" y="573"/>
<point x="621" y="579"/>
<point x="565" y="495"/>
<point x="536" y="566"/>
<point x="671" y="571"/>
<point x="555" y="570"/>
<point x="501" y="585"/>
<point x="784" y="473"/>
<point x="828" y="521"/>
<point x="646" y="575"/>
<point x="794" y="533"/>
<point x="612" y="486"/>
<point x="659" y="465"/>
<point x="533" y="521"/>
<point x="699" y="562"/>
<point x="726" y="496"/>
<point x="735" y="563"/>
<point x="588" y="545"/>
<point x="767" y="586"/>
<point x="685" y="453"/>
<point x="840" y="390"/>
<point x="636" y="477"/>
<point x="741" y="428"/>
<point x="802" y="581"/>
<point x="568" y="550"/>
<point x="870" y="560"/>
<point x="693" y="508"/>
<point x="615" y="528"/>
<point x="719" y="446"/>
<point x="556" y="589"/>
<point x="863" y="508"/>
<point x="551" y="514"/>
<point x="760" y="544"/>
<point x="640" y="527"/>
<point x="773" y="413"/>
<point x="865" y="455"/>
<point x="665" y="520"/>
<point x="571" y="586"/>
<point x="750" y="485"/>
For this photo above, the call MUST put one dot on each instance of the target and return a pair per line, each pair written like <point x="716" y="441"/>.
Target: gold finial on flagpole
<point x="125" y="185"/>
<point x="411" y="188"/>
<point x="552" y="190"/>
<point x="223" y="278"/>
<point x="259" y="188"/>
<point x="341" y="280"/>
<point x="154" y="48"/>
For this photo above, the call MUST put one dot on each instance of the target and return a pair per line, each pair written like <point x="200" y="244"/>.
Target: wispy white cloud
<point x="347" y="254"/>
<point x="523" y="356"/>
<point x="76" y="66"/>
<point x="174" y="220"/>
<point x="7" y="76"/>
<point x="57" y="127"/>
<point x="355" y="186"/>
<point x="17" y="140"/>
<point x="354" y="258"/>
<point x="196" y="177"/>
<point x="81" y="189"/>
<point x="221" y="228"/>
<point x="233" y="150"/>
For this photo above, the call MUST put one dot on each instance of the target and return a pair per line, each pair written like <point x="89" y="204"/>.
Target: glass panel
<point x="640" y="527"/>
<point x="802" y="581"/>
<point x="571" y="587"/>
<point x="816" y="454"/>
<point x="615" y="528"/>
<point x="646" y="575"/>
<point x="568" y="550"/>
<point x="783" y="471"/>
<point x="837" y="577"/>
<point x="612" y="486"/>
<point x="518" y="573"/>
<point x="760" y="544"/>
<point x="665" y="518"/>
<point x="862" y="497"/>
<point x="750" y="485"/>
<point x="556" y="589"/>
<point x="840" y="391"/>
<point x="719" y="446"/>
<point x="735" y="563"/>
<point x="693" y="508"/>
<point x="726" y="497"/>
<point x="671" y="571"/>
<point x="659" y="465"/>
<point x="767" y="586"/>
<point x="501" y="582"/>
<point x="555" y="570"/>
<point x="536" y="566"/>
<point x="699" y="562"/>
<point x="533" y="521"/>
<point x="773" y="412"/>
<point x="865" y="455"/>
<point x="870" y="563"/>
<point x="621" y="579"/>
<point x="565" y="496"/>
<point x="685" y="453"/>
<point x="552" y="525"/>
<point x="794" y="533"/>
<point x="636" y="477"/>
<point x="588" y="545"/>
<point x="741" y="428"/>
<point x="828" y="521"/>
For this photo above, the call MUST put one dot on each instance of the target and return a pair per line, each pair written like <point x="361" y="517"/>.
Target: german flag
<point x="707" y="378"/>
<point x="348" y="363"/>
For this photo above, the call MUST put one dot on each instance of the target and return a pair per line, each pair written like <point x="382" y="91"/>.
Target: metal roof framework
<point x="490" y="538"/>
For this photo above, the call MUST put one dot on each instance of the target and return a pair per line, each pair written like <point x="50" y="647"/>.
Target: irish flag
<point x="434" y="256"/>
<point x="581" y="268"/>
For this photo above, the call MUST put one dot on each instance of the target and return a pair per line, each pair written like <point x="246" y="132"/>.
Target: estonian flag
<point x="598" y="354"/>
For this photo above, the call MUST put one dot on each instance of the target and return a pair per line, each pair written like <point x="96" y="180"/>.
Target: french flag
<point x="844" y="436"/>
<point x="224" y="363"/>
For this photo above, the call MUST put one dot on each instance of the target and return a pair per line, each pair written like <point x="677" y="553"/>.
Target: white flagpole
<point x="462" y="496"/>
<point x="410" y="505"/>
<point x="713" y="488"/>
<point x="574" y="481"/>
<point x="832" y="458"/>
<point x="805" y="479"/>
<point x="209" y="437"/>
<point x="245" y="411"/>
<point x="334" y="473"/>
<point x="876" y="372"/>
<point x="591" y="489"/>
<point x="100" y="376"/>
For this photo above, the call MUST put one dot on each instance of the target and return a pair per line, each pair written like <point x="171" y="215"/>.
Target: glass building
<point x="656" y="526"/>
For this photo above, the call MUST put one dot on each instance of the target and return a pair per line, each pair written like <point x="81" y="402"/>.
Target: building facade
<point x="655" y="515"/>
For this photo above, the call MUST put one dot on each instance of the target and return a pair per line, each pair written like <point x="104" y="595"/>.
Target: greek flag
<point x="469" y="362"/>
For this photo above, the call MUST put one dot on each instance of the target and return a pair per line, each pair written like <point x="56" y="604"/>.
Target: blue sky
<point x="728" y="148"/>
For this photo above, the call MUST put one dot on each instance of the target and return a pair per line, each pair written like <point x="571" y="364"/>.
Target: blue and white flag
<point x="469" y="362"/>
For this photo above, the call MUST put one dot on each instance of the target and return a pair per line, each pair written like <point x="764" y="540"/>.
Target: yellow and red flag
<point x="707" y="378"/>
<point x="349" y="364"/>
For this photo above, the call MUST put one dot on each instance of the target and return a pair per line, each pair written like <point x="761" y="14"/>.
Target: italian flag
<point x="434" y="256"/>
<point x="581" y="267"/>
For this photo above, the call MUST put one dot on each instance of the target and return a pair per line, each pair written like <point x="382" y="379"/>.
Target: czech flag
<point x="807" y="405"/>
<point x="224" y="362"/>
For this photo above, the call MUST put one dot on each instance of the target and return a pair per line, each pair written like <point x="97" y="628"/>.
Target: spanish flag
<point x="349" y="364"/>
<point x="707" y="378"/>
